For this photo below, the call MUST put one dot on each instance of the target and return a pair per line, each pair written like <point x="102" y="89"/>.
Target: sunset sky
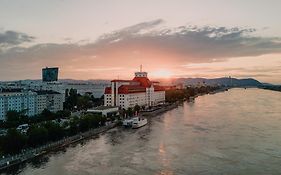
<point x="106" y="39"/>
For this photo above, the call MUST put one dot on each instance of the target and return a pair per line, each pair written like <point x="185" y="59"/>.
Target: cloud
<point x="148" y="43"/>
<point x="13" y="38"/>
<point x="193" y="43"/>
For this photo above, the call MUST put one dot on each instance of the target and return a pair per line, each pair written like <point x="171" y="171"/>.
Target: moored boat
<point x="139" y="122"/>
<point x="127" y="122"/>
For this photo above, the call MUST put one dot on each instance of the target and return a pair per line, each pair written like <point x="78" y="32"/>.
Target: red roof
<point x="158" y="88"/>
<point x="144" y="83"/>
<point x="107" y="90"/>
<point x="126" y="89"/>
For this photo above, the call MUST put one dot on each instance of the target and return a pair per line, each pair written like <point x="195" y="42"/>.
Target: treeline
<point x="131" y="111"/>
<point x="75" y="101"/>
<point x="15" y="118"/>
<point x="174" y="95"/>
<point x="42" y="133"/>
<point x="273" y="88"/>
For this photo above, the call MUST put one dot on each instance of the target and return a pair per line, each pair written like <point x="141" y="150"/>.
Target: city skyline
<point x="97" y="40"/>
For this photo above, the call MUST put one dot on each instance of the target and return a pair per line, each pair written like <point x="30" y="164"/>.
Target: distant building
<point x="50" y="74"/>
<point x="17" y="101"/>
<point x="139" y="91"/>
<point x="51" y="100"/>
<point x="30" y="102"/>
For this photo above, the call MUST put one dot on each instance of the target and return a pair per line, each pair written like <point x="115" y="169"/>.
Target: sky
<point x="110" y="39"/>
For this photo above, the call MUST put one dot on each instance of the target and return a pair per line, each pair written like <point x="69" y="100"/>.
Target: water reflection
<point x="164" y="161"/>
<point x="236" y="132"/>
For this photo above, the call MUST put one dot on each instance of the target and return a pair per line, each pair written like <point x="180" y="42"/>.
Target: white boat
<point x="139" y="122"/>
<point x="127" y="122"/>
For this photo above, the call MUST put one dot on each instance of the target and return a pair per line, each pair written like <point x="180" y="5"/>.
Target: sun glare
<point x="162" y="74"/>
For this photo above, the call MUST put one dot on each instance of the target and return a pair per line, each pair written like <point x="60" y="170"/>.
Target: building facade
<point x="30" y="103"/>
<point x="50" y="74"/>
<point x="51" y="100"/>
<point x="139" y="91"/>
<point x="18" y="101"/>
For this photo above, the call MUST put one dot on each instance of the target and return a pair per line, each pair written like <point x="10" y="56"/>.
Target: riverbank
<point x="10" y="161"/>
<point x="168" y="107"/>
<point x="7" y="162"/>
<point x="272" y="88"/>
<point x="207" y="137"/>
<point x="159" y="110"/>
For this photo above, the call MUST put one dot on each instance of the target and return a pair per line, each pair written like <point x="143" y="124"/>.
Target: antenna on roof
<point x="141" y="68"/>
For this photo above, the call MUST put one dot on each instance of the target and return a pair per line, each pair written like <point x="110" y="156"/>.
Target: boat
<point x="127" y="122"/>
<point x="139" y="122"/>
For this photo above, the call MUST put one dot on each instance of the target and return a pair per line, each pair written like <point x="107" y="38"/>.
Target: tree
<point x="97" y="101"/>
<point x="71" y="99"/>
<point x="47" y="115"/>
<point x="55" y="132"/>
<point x="84" y="102"/>
<point x="14" y="141"/>
<point x="12" y="116"/>
<point x="84" y="124"/>
<point x="190" y="91"/>
<point x="37" y="135"/>
<point x="63" y="114"/>
<point x="137" y="108"/>
<point x="89" y="121"/>
<point x="129" y="112"/>
<point x="74" y="125"/>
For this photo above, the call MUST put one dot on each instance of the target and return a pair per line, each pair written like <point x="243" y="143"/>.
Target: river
<point x="233" y="132"/>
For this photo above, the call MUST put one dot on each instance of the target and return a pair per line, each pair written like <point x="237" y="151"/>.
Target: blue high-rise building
<point x="50" y="74"/>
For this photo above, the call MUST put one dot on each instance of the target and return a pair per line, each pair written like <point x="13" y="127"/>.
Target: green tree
<point x="89" y="121"/>
<point x="71" y="99"/>
<point x="12" y="116"/>
<point x="14" y="141"/>
<point x="37" y="135"/>
<point x="137" y="108"/>
<point x="47" y="115"/>
<point x="74" y="125"/>
<point x="84" y="102"/>
<point x="63" y="114"/>
<point x="55" y="132"/>
<point x="129" y="112"/>
<point x="84" y="124"/>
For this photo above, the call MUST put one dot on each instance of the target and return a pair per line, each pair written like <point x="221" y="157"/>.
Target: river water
<point x="233" y="132"/>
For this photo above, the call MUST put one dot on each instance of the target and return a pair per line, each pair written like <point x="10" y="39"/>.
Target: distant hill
<point x="218" y="81"/>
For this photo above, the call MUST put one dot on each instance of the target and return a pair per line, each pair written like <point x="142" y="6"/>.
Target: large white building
<point x="30" y="102"/>
<point x="139" y="91"/>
